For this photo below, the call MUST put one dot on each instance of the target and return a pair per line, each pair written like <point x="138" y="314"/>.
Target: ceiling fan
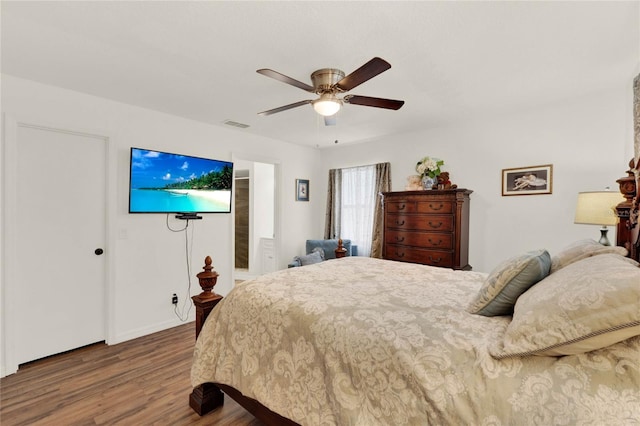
<point x="328" y="82"/>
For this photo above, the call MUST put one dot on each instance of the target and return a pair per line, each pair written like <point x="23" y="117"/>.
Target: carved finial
<point x="207" y="279"/>
<point x="340" y="250"/>
<point x="207" y="264"/>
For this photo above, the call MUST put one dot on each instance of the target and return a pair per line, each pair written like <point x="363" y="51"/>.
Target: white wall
<point x="588" y="140"/>
<point x="146" y="260"/>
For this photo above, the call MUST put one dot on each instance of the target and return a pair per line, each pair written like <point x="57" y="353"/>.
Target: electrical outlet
<point x="174" y="299"/>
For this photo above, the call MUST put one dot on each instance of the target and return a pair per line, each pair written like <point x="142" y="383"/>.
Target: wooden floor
<point x="140" y="382"/>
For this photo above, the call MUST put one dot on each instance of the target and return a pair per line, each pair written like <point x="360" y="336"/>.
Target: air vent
<point x="235" y="124"/>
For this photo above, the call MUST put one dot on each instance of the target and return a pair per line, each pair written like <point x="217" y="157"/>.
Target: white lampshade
<point x="598" y="207"/>
<point x="327" y="105"/>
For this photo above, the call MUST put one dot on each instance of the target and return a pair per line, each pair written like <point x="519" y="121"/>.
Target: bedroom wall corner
<point x="3" y="369"/>
<point x="7" y="239"/>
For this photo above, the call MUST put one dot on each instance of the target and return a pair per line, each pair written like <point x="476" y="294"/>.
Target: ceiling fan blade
<point x="330" y="120"/>
<point x="285" y="107"/>
<point x="283" y="78"/>
<point x="364" y="73"/>
<point x="373" y="102"/>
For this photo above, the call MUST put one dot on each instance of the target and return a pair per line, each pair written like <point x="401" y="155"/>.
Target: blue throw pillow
<point x="508" y="281"/>
<point x="316" y="256"/>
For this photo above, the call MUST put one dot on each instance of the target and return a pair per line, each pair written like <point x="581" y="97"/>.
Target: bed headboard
<point x="627" y="230"/>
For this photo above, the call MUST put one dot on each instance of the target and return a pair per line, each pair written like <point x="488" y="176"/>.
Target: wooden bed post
<point x="208" y="396"/>
<point x="627" y="232"/>
<point x="340" y="251"/>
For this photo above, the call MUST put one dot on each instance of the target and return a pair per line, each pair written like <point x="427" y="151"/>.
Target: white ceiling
<point x="451" y="61"/>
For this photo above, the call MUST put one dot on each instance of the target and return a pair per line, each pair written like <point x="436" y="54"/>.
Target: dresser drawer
<point x="419" y="222"/>
<point x="401" y="206"/>
<point x="418" y="255"/>
<point x="419" y="207"/>
<point x="420" y="239"/>
<point x="434" y="207"/>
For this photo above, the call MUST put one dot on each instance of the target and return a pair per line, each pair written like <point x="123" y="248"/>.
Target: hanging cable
<point x="176" y="230"/>
<point x="188" y="250"/>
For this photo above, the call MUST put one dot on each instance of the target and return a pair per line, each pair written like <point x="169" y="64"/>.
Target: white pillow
<point x="581" y="250"/>
<point x="587" y="305"/>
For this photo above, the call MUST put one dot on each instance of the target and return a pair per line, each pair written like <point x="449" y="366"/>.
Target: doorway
<point x="241" y="195"/>
<point x="255" y="221"/>
<point x="56" y="212"/>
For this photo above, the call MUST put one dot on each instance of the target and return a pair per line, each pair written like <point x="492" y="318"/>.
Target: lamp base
<point x="603" y="237"/>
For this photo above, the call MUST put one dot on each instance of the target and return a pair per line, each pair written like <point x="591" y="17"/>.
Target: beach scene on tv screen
<point x="173" y="183"/>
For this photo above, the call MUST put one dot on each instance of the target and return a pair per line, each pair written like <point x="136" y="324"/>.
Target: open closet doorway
<point x="255" y="224"/>
<point x="241" y="199"/>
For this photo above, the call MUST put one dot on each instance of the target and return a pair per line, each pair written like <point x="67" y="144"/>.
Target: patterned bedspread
<point x="361" y="341"/>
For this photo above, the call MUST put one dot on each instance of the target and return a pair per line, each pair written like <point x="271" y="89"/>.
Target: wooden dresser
<point x="429" y="227"/>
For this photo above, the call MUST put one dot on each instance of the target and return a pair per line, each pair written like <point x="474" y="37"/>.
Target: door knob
<point x="98" y="251"/>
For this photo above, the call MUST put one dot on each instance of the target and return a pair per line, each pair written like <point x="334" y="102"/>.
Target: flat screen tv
<point x="161" y="182"/>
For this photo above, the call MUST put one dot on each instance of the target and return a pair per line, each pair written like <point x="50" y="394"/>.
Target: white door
<point x="58" y="290"/>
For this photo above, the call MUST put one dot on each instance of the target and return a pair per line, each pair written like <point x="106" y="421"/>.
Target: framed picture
<point x="527" y="180"/>
<point x="302" y="189"/>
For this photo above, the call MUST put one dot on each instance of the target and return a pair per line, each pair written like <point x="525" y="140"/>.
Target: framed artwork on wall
<point x="527" y="180"/>
<point x="302" y="189"/>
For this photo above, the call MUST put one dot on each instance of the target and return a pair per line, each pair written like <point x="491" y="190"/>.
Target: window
<point x="358" y="201"/>
<point x="354" y="206"/>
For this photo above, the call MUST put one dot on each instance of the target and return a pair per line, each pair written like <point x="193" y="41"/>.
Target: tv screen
<point x="161" y="182"/>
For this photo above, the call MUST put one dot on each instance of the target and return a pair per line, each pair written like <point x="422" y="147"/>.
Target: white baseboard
<point x="243" y="275"/>
<point x="144" y="331"/>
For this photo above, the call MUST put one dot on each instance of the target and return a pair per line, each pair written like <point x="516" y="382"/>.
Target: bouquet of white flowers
<point x="429" y="167"/>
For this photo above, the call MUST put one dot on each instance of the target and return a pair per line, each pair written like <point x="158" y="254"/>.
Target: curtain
<point x="383" y="184"/>
<point x="354" y="206"/>
<point x="332" y="217"/>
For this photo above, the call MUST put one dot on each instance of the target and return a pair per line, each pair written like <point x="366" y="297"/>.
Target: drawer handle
<point x="400" y="255"/>
<point x="399" y="239"/>
<point x="436" y="208"/>
<point x="431" y="259"/>
<point x="399" y="223"/>
<point x="435" y="244"/>
<point x="402" y="207"/>
<point x="438" y="225"/>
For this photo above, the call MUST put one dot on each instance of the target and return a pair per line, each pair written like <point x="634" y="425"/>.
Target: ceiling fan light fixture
<point x="327" y="82"/>
<point x="327" y="105"/>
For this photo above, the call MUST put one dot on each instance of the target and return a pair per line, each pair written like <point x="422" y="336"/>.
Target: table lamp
<point x="598" y="208"/>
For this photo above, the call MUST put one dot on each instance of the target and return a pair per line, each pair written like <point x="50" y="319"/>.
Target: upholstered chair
<point x="319" y="250"/>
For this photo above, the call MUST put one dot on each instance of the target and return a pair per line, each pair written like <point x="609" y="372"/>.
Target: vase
<point x="428" y="182"/>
